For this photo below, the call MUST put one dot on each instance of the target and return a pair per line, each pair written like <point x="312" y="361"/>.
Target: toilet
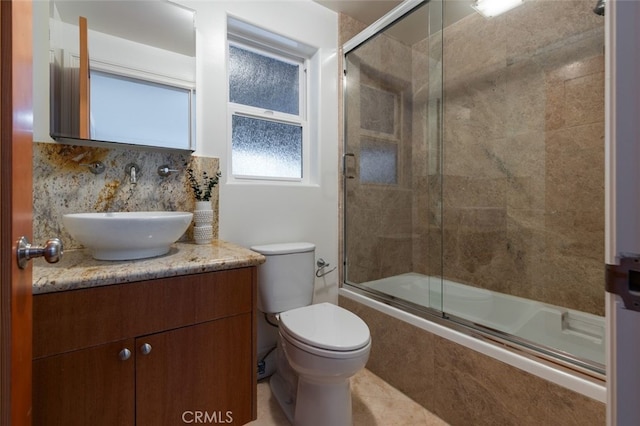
<point x="319" y="346"/>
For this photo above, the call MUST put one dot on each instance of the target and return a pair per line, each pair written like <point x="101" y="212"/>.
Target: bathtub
<point x="577" y="335"/>
<point x="571" y="332"/>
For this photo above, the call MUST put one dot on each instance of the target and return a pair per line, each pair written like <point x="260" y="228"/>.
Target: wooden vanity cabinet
<point x="162" y="352"/>
<point x="85" y="387"/>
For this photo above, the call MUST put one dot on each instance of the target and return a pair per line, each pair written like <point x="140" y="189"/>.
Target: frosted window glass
<point x="139" y="112"/>
<point x="266" y="148"/>
<point x="377" y="110"/>
<point x="263" y="82"/>
<point x="378" y="162"/>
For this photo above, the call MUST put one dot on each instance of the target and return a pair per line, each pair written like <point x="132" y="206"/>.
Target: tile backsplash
<point x="62" y="183"/>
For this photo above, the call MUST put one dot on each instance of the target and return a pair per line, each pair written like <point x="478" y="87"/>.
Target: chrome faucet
<point x="133" y="170"/>
<point x="165" y="170"/>
<point x="96" y="167"/>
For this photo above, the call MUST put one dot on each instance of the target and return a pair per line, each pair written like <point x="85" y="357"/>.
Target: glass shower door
<point x="523" y="176"/>
<point x="392" y="162"/>
<point x="477" y="191"/>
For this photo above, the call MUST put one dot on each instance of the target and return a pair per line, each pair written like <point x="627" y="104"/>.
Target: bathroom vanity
<point x="161" y="341"/>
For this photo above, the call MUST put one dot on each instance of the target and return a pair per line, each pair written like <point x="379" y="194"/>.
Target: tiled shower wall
<point x="514" y="199"/>
<point x="523" y="178"/>
<point x="62" y="184"/>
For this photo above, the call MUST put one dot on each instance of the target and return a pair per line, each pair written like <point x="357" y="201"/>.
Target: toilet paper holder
<point x="322" y="265"/>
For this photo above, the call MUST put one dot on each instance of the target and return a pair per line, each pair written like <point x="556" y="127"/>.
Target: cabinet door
<point x="91" y="386"/>
<point x="197" y="374"/>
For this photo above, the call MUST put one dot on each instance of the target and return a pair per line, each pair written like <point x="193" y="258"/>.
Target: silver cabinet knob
<point x="52" y="251"/>
<point x="145" y="349"/>
<point x="124" y="354"/>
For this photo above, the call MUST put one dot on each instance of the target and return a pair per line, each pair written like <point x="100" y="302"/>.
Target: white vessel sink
<point x="127" y="235"/>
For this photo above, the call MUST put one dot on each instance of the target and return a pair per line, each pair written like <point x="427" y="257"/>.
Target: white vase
<point x="203" y="219"/>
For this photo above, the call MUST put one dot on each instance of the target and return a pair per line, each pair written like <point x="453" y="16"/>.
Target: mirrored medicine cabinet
<point x="122" y="71"/>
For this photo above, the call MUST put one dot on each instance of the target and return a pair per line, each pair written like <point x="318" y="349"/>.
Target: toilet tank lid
<point x="284" y="248"/>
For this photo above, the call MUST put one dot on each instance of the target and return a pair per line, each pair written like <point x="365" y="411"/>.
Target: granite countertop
<point x="77" y="269"/>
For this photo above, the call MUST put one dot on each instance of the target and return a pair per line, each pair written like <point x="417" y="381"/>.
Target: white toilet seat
<point x="326" y="353"/>
<point x="326" y="330"/>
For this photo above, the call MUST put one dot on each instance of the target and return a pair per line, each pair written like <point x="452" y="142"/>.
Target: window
<point x="267" y="106"/>
<point x="378" y="161"/>
<point x="379" y="134"/>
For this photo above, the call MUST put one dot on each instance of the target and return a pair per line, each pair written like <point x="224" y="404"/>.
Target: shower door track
<point x="513" y="343"/>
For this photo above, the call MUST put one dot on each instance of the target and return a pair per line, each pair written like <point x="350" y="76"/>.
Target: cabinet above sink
<point x="122" y="71"/>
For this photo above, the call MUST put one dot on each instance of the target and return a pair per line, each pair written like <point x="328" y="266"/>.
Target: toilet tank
<point x="286" y="279"/>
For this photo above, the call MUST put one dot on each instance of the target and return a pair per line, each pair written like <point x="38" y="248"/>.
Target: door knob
<point x="145" y="349"/>
<point x="52" y="251"/>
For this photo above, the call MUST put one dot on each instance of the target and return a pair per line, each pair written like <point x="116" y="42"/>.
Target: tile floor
<point x="374" y="403"/>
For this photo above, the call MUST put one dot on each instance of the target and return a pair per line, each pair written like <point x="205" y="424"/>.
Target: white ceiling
<point x="368" y="11"/>
<point x="365" y="11"/>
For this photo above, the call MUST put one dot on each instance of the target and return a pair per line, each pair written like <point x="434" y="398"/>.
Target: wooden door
<point x="16" y="142"/>
<point x="93" y="386"/>
<point x="197" y="374"/>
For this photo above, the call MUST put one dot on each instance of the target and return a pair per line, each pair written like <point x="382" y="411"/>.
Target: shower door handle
<point x="345" y="171"/>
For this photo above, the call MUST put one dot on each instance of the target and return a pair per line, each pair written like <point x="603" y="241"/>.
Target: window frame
<point x="262" y="47"/>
